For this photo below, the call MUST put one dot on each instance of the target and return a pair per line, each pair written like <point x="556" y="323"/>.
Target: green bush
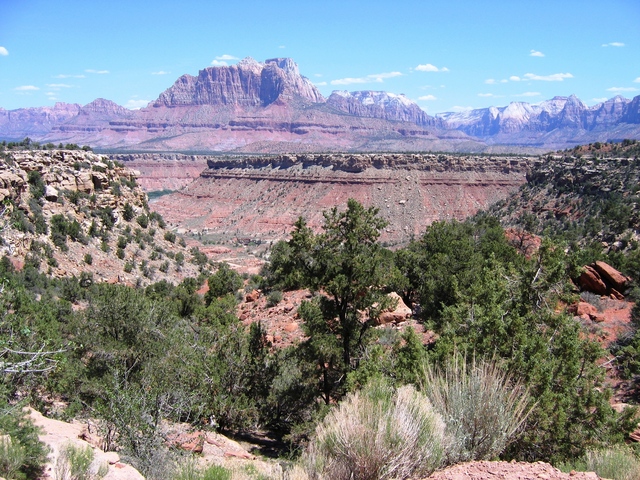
<point x="169" y="236"/>
<point x="22" y="454"/>
<point x="482" y="407"/>
<point x="274" y="298"/>
<point x="76" y="463"/>
<point x="191" y="471"/>
<point x="12" y="456"/>
<point x="223" y="282"/>
<point x="88" y="259"/>
<point x="378" y="433"/>
<point x="127" y="212"/>
<point x="617" y="463"/>
<point x="143" y="221"/>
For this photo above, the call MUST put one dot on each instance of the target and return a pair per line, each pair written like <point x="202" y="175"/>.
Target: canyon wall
<point x="260" y="197"/>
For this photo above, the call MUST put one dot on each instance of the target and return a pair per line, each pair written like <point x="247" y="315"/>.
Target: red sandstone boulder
<point x="252" y="296"/>
<point x="190" y="442"/>
<point x="583" y="308"/>
<point x="591" y="281"/>
<point x="395" y="315"/>
<point x="611" y="276"/>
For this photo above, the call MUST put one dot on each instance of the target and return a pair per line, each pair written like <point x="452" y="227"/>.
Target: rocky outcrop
<point x="602" y="279"/>
<point x="101" y="201"/>
<point x="397" y="313"/>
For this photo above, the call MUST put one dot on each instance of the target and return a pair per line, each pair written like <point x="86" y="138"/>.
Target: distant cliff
<point x="260" y="197"/>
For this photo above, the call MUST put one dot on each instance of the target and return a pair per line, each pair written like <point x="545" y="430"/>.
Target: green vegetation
<point x="378" y="433"/>
<point x="508" y="373"/>
<point x="618" y="463"/>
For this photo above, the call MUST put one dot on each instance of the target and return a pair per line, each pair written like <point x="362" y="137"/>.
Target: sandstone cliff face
<point x="248" y="83"/>
<point x="261" y="197"/>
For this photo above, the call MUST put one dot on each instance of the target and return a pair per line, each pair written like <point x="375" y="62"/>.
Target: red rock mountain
<point x="247" y="84"/>
<point x="270" y="107"/>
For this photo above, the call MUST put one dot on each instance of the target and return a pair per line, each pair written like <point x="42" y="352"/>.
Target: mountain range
<point x="270" y="107"/>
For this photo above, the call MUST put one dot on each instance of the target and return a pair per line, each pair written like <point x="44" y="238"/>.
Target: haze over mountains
<point x="269" y="107"/>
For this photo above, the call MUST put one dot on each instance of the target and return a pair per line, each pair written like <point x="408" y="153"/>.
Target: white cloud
<point x="427" y="67"/>
<point x="376" y="77"/>
<point x="26" y="88"/>
<point x="134" y="104"/>
<point x="320" y="84"/>
<point x="490" y="81"/>
<point x="58" y="85"/>
<point x="528" y="94"/>
<point x="62" y="75"/>
<point x="535" y="53"/>
<point x="98" y="72"/>
<point x="637" y="80"/>
<point x="622" y="89"/>
<point x="226" y="57"/>
<point x="219" y="63"/>
<point x="458" y="108"/>
<point x="599" y="100"/>
<point x="282" y="46"/>
<point x="492" y="95"/>
<point x="160" y="72"/>
<point x="613" y="44"/>
<point x="514" y="78"/>
<point x="556" y="77"/>
<point x="3" y="52"/>
<point x="317" y="75"/>
<point x="427" y="98"/>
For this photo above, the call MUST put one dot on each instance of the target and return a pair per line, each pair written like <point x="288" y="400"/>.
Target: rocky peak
<point x="248" y="83"/>
<point x="101" y="106"/>
<point x="389" y="106"/>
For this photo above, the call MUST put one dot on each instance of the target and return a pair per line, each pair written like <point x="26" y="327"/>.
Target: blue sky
<point x="445" y="55"/>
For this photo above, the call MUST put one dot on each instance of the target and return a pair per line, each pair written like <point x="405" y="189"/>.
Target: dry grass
<point x="482" y="407"/>
<point x="376" y="434"/>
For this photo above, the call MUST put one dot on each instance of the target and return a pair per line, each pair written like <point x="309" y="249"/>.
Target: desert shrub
<point x="88" y="259"/>
<point x="120" y="253"/>
<point x="190" y="471"/>
<point x="12" y="456"/>
<point x="223" y="282"/>
<point x="37" y="184"/>
<point x="77" y="463"/>
<point x="127" y="212"/>
<point x="22" y="454"/>
<point x="274" y="298"/>
<point x="617" y="463"/>
<point x="169" y="236"/>
<point x="482" y="407"/>
<point x="378" y="433"/>
<point x="143" y="220"/>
